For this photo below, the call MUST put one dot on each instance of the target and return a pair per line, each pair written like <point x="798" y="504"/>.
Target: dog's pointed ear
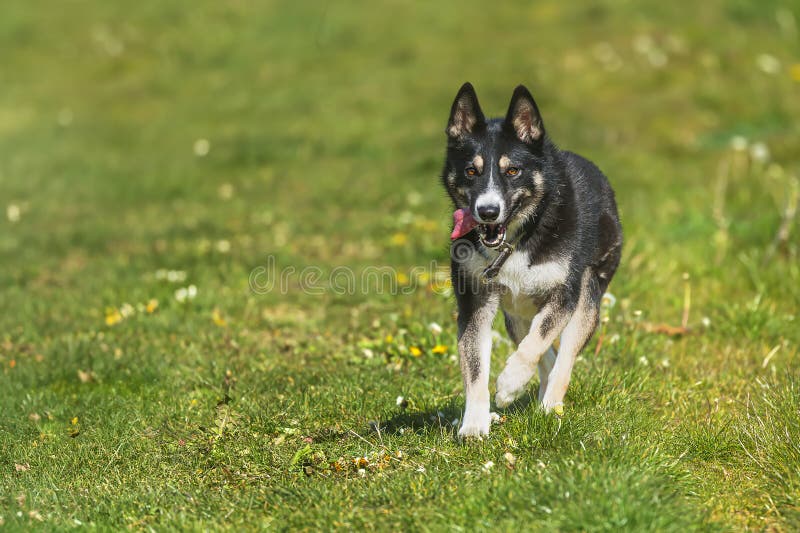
<point x="523" y="116"/>
<point x="465" y="115"/>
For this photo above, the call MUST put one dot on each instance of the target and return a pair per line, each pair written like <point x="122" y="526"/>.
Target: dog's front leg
<point x="476" y="310"/>
<point x="521" y="365"/>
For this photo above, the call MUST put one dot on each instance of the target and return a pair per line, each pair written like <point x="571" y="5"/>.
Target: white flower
<point x="173" y="276"/>
<point x="510" y="459"/>
<point x="768" y="63"/>
<point x="223" y="246"/>
<point x="186" y="293"/>
<point x="739" y="143"/>
<point x="488" y="465"/>
<point x="225" y="191"/>
<point x="414" y="198"/>
<point x="400" y="401"/>
<point x="126" y="310"/>
<point x="13" y="213"/>
<point x="643" y="361"/>
<point x="435" y="328"/>
<point x="494" y="418"/>
<point x="706" y="322"/>
<point x="368" y="353"/>
<point x="657" y="58"/>
<point x="201" y="147"/>
<point x="608" y="301"/>
<point x="643" y="43"/>
<point x="759" y="152"/>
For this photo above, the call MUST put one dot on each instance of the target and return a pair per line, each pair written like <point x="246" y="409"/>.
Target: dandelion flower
<point x="608" y="301"/>
<point x="794" y="72"/>
<point x="439" y="349"/>
<point x="113" y="316"/>
<point x="151" y="306"/>
<point x="416" y="352"/>
<point x="216" y="316"/>
<point x="398" y="239"/>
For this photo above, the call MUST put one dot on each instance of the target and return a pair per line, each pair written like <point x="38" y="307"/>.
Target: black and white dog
<point x="536" y="234"/>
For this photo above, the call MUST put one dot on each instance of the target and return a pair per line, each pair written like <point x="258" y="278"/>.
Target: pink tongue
<point x="462" y="223"/>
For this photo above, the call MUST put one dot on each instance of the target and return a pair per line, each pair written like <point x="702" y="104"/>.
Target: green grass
<point x="325" y="121"/>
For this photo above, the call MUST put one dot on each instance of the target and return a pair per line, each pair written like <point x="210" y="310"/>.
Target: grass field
<point x="160" y="159"/>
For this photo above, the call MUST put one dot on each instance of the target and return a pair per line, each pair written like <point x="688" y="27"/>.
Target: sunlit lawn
<point x="158" y="159"/>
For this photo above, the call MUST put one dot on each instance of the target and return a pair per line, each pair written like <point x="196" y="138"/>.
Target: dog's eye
<point x="512" y="171"/>
<point x="471" y="171"/>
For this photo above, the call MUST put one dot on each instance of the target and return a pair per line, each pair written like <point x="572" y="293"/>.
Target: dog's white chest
<point x="521" y="278"/>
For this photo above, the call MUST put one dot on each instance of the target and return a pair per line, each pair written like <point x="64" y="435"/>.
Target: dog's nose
<point x="488" y="213"/>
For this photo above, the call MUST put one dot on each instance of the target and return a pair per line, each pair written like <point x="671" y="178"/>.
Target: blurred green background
<point x="153" y="147"/>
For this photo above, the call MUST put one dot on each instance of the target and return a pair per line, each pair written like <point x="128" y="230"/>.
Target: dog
<point x="537" y="234"/>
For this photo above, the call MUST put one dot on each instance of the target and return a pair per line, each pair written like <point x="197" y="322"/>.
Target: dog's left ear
<point x="523" y="116"/>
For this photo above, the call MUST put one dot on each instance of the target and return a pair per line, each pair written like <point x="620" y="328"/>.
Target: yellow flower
<point x="794" y="72"/>
<point x="398" y="239"/>
<point x="439" y="349"/>
<point x="402" y="278"/>
<point x="389" y="339"/>
<point x="416" y="352"/>
<point x="151" y="306"/>
<point x="217" y="318"/>
<point x="113" y="316"/>
<point x="75" y="421"/>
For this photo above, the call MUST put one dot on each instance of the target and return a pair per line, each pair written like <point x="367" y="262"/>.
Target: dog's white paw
<point x="475" y="424"/>
<point x="556" y="407"/>
<point x="512" y="381"/>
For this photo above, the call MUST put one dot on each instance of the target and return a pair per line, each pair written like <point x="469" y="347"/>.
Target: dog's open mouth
<point x="492" y="235"/>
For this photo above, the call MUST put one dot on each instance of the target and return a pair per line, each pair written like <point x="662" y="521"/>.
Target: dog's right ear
<point x="465" y="115"/>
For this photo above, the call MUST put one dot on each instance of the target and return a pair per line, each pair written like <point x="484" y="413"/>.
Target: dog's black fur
<point x="558" y="209"/>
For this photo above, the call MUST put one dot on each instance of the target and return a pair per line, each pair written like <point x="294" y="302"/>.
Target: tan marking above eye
<point x="503" y="163"/>
<point x="477" y="162"/>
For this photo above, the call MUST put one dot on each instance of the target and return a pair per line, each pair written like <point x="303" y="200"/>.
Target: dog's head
<point x="495" y="168"/>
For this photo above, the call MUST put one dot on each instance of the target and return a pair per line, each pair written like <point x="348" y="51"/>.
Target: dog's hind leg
<point x="545" y="367"/>
<point x="576" y="334"/>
